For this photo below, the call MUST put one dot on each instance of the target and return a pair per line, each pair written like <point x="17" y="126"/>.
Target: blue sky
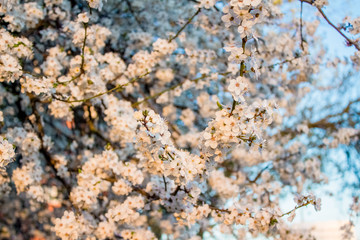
<point x="335" y="207"/>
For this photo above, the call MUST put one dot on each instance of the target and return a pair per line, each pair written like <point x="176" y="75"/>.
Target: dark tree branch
<point x="348" y="40"/>
<point x="183" y="27"/>
<point x="137" y="20"/>
<point x="301" y="26"/>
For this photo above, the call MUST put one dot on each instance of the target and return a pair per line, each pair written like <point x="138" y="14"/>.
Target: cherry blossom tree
<point x="154" y="119"/>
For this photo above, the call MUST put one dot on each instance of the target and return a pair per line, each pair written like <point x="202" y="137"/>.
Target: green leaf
<point x="145" y="113"/>
<point x="219" y="105"/>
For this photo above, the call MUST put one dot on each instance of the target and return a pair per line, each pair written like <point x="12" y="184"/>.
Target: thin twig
<point x="94" y="130"/>
<point x="164" y="91"/>
<point x="258" y="175"/>
<point x="242" y="71"/>
<point x="349" y="41"/>
<point x="103" y="93"/>
<point x="301" y="26"/>
<point x="41" y="134"/>
<point x="83" y="50"/>
<point x="165" y="183"/>
<point x="138" y="21"/>
<point x="82" y="65"/>
<point x="183" y="27"/>
<point x="282" y="62"/>
<point x="302" y="205"/>
<point x="172" y="88"/>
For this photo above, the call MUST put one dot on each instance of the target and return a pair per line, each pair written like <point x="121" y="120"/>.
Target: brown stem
<point x="103" y="93"/>
<point x="301" y="26"/>
<point x="171" y="88"/>
<point x="46" y="154"/>
<point x="82" y="70"/>
<point x="183" y="27"/>
<point x="242" y="71"/>
<point x="138" y="21"/>
<point x="349" y="41"/>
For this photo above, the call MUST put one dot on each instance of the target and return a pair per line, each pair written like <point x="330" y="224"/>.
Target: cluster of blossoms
<point x="151" y="119"/>
<point x="12" y="48"/>
<point x="320" y="3"/>
<point x="158" y="153"/>
<point x="353" y="27"/>
<point x="244" y="15"/>
<point x="301" y="200"/>
<point x="25" y="15"/>
<point x="70" y="226"/>
<point x="260" y="221"/>
<point x="7" y="153"/>
<point x="119" y="116"/>
<point x="238" y="87"/>
<point x="342" y="136"/>
<point x="243" y="123"/>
